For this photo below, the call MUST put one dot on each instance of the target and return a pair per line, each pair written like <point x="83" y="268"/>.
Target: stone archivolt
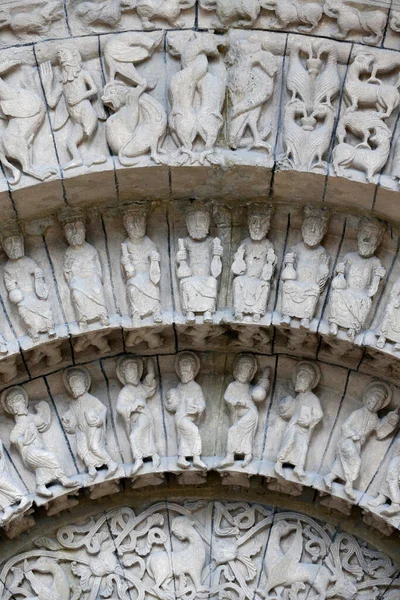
<point x="199" y="548"/>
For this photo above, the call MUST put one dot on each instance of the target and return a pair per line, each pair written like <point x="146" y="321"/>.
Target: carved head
<point x="187" y="366"/>
<point x="13" y="246"/>
<point x="130" y="370"/>
<point x="315" y="225"/>
<point x="75" y="232"/>
<point x="259" y="221"/>
<point x="181" y="527"/>
<point x="245" y="368"/>
<point x="306" y="377"/>
<point x="115" y="95"/>
<point x="77" y="381"/>
<point x="198" y="221"/>
<point x="377" y="395"/>
<point x="135" y="221"/>
<point x="15" y="401"/>
<point x="69" y="56"/>
<point x="369" y="235"/>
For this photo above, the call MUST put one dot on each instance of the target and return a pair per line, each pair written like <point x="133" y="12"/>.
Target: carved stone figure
<point x="303" y="412"/>
<point x="254" y="265"/>
<point x="199" y="266"/>
<point x="313" y="81"/>
<point x="390" y="489"/>
<point x="305" y="16"/>
<point x="196" y="114"/>
<point x="26" y="288"/>
<point x="138" y="125"/>
<point x="10" y="493"/>
<point x="163" y="566"/>
<point x="355" y="432"/>
<point x="389" y="328"/>
<point x="24" y="111"/>
<point x="25" y="18"/>
<point x="241" y="398"/>
<point x="356" y="280"/>
<point x="86" y="418"/>
<point x="188" y="404"/>
<point x="83" y="272"/>
<point x="140" y="263"/>
<point x="306" y="269"/>
<point x="27" y="437"/>
<point x="233" y="12"/>
<point x="251" y="77"/>
<point x="349" y="18"/>
<point x="132" y="407"/>
<point x="72" y="96"/>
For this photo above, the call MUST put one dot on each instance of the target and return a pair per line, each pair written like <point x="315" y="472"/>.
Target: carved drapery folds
<point x="249" y="550"/>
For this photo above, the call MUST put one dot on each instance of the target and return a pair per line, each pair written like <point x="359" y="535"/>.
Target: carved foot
<point x="52" y="332"/>
<point x="351" y="334"/>
<point x="392" y="510"/>
<point x="156" y="461"/>
<point x="96" y="160"/>
<point x="381" y="341"/>
<point x="256" y="318"/>
<point x="104" y="320"/>
<point x="182" y="462"/>
<point x="305" y="323"/>
<point x="333" y="329"/>
<point x="69" y="483"/>
<point x="348" y="488"/>
<point x="157" y="317"/>
<point x="42" y="490"/>
<point x="299" y="473"/>
<point x="378" y="501"/>
<point x="7" y="513"/>
<point x="285" y="320"/>
<point x="208" y="318"/>
<point x="112" y="469"/>
<point x="190" y="317"/>
<point x="92" y="474"/>
<point x="197" y="462"/>
<point x="227" y="462"/>
<point x="24" y="504"/>
<point x="247" y="460"/>
<point x="83" y="324"/>
<point x="73" y="164"/>
<point x="136" y="466"/>
<point x="279" y="469"/>
<point x="328" y="480"/>
<point x="239" y="316"/>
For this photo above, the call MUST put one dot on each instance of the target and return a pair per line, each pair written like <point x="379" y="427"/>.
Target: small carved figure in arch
<point x="83" y="272"/>
<point x="27" y="288"/>
<point x="199" y="266"/>
<point x="12" y="499"/>
<point x="356" y="430"/>
<point x="86" y="418"/>
<point x="27" y="437"/>
<point x="390" y="489"/>
<point x="140" y="263"/>
<point x="132" y="406"/>
<point x="303" y="414"/>
<point x="187" y="402"/>
<point x="241" y="397"/>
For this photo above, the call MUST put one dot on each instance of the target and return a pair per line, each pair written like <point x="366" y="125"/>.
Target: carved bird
<point x="59" y="589"/>
<point x="122" y="51"/>
<point x="327" y="83"/>
<point x="298" y="80"/>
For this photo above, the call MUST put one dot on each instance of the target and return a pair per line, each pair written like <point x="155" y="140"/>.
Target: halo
<point x="192" y="356"/>
<point x="316" y="371"/>
<point x="251" y="358"/>
<point x="125" y="359"/>
<point x="385" y="386"/>
<point x="16" y="389"/>
<point x="68" y="373"/>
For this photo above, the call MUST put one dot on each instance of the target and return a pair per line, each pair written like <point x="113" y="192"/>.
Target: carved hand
<point x="46" y="73"/>
<point x="181" y="255"/>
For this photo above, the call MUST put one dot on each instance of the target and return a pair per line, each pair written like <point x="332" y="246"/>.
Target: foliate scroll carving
<point x="355" y="432"/>
<point x="369" y="23"/>
<point x="242" y="398"/>
<point x="86" y="418"/>
<point x="306" y="269"/>
<point x="132" y="406"/>
<point x="303" y="413"/>
<point x="170" y="549"/>
<point x="356" y="281"/>
<point x="140" y="263"/>
<point x="28" y="439"/>
<point x="196" y="115"/>
<point x="199" y="266"/>
<point x="83" y="272"/>
<point x="138" y="125"/>
<point x="254" y="265"/>
<point x="26" y="288"/>
<point x="370" y="102"/>
<point x="187" y="402"/>
<point x="313" y="82"/>
<point x="74" y="96"/>
<point x="24" y="112"/>
<point x="251" y="77"/>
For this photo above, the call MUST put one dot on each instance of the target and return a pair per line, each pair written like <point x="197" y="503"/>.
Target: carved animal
<point x="395" y="20"/>
<point x="284" y="569"/>
<point x="305" y="15"/>
<point x="123" y="51"/>
<point x="138" y="126"/>
<point x="384" y="97"/>
<point x="242" y="13"/>
<point x="107" y="12"/>
<point x="162" y="566"/>
<point x="169" y="10"/>
<point x="25" y="112"/>
<point x="33" y="18"/>
<point x="186" y="121"/>
<point x="349" y="18"/>
<point x="59" y="589"/>
<point x="360" y="123"/>
<point x="368" y="159"/>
